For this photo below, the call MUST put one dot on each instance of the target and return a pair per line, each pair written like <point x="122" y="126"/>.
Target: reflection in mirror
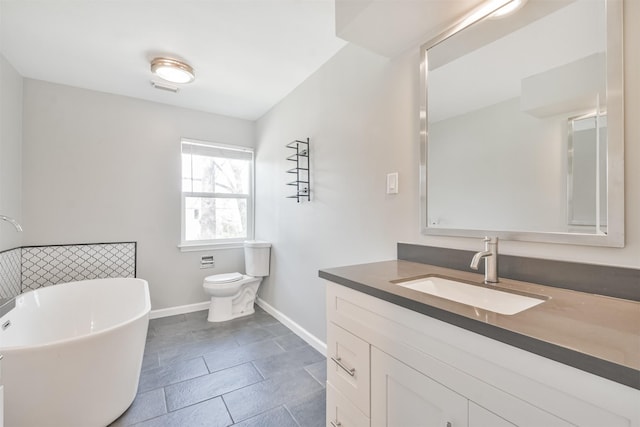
<point x="502" y="95"/>
<point x="587" y="178"/>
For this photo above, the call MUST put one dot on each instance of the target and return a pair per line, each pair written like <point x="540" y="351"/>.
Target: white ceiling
<point x="247" y="54"/>
<point x="390" y="27"/>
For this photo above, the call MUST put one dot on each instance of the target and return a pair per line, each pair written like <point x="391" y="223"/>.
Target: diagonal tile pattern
<point x="250" y="371"/>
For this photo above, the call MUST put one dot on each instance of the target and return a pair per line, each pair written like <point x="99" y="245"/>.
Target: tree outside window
<point x="217" y="193"/>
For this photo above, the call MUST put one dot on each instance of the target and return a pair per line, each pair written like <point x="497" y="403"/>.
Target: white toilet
<point x="233" y="294"/>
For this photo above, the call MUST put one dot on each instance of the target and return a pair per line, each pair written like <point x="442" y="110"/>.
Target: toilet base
<point x="222" y="309"/>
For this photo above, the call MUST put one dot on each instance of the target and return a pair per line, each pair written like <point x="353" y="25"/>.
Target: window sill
<point x="195" y="247"/>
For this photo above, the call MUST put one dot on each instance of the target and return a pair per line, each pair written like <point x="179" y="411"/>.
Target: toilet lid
<point x="223" y="278"/>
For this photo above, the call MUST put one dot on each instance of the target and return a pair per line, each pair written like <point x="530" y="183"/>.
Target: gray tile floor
<point x="251" y="371"/>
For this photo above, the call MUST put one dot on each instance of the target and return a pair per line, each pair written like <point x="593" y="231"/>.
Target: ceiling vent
<point x="164" y="86"/>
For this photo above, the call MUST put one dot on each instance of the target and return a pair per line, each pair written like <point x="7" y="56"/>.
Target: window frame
<point x="212" y="244"/>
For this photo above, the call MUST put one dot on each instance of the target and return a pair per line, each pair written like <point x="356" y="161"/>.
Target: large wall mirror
<point x="522" y="124"/>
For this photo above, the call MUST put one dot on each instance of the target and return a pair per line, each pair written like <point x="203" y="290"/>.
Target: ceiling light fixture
<point x="508" y="9"/>
<point x="172" y="70"/>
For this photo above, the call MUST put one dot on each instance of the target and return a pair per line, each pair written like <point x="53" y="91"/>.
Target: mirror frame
<point x="615" y="139"/>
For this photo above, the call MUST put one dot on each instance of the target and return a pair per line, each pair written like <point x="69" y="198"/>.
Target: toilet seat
<point x="223" y="278"/>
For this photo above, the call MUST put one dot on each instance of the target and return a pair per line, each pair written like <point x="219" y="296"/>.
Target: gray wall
<point x="10" y="152"/>
<point x="361" y="113"/>
<point x="103" y="168"/>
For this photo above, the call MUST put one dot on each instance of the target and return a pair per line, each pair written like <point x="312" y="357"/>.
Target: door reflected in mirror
<point x="587" y="176"/>
<point x="522" y="126"/>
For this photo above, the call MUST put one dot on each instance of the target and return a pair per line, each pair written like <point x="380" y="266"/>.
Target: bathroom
<point x="83" y="165"/>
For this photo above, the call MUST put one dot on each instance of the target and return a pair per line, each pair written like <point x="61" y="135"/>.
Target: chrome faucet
<point x="490" y="255"/>
<point x="12" y="221"/>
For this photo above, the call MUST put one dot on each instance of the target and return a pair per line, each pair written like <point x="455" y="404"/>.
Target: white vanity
<point x="391" y="365"/>
<point x="503" y="98"/>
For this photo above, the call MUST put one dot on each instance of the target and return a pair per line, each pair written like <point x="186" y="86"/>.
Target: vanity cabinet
<point x="389" y="366"/>
<point x="402" y="396"/>
<point x="348" y="369"/>
<point x="480" y="417"/>
<point x="1" y="396"/>
<point x="341" y="412"/>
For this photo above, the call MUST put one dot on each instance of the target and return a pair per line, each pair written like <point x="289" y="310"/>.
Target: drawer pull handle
<point x="448" y="424"/>
<point x="350" y="371"/>
<point x="336" y="424"/>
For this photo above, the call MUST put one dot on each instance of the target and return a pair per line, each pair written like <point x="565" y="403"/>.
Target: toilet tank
<point x="256" y="258"/>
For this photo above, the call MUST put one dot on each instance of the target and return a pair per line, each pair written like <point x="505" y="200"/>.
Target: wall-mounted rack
<point x="301" y="157"/>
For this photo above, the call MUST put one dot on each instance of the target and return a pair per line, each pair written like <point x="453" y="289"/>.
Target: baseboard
<point x="181" y="309"/>
<point x="295" y="328"/>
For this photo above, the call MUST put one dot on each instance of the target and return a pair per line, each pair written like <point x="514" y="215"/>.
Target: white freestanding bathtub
<point x="73" y="353"/>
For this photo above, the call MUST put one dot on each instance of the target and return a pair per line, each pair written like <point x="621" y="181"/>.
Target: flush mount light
<point x="172" y="70"/>
<point x="508" y="9"/>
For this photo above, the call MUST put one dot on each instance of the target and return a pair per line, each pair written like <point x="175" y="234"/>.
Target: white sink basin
<point x="476" y="296"/>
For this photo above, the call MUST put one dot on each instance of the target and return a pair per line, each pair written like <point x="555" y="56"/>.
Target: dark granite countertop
<point x="594" y="333"/>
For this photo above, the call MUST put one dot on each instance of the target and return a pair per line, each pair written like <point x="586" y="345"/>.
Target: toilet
<point x="233" y="294"/>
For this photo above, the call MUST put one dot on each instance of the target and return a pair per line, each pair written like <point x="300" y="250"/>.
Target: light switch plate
<point x="392" y="183"/>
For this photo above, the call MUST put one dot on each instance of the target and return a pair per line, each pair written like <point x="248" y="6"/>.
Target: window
<point x="217" y="194"/>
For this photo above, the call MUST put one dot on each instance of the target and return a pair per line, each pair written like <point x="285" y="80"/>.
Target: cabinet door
<point x="508" y="411"/>
<point x="404" y="397"/>
<point x="480" y="417"/>
<point x="348" y="365"/>
<point x="341" y="412"/>
<point x="1" y="396"/>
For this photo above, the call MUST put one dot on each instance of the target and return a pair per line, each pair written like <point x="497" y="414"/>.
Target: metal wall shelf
<point x="301" y="170"/>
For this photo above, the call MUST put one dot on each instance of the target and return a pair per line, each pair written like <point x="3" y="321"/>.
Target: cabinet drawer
<point x="348" y="366"/>
<point x="341" y="412"/>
